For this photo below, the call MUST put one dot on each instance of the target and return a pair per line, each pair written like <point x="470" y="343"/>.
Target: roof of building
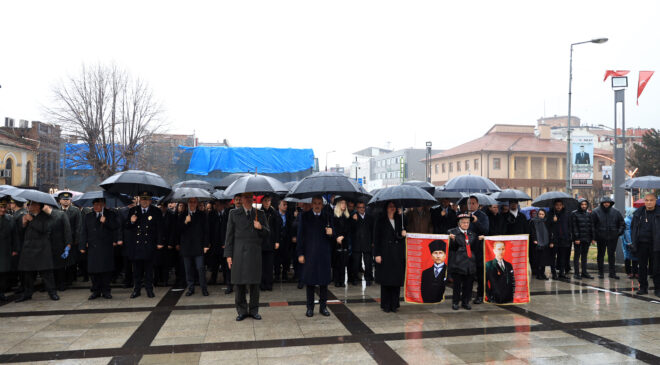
<point x="9" y="139"/>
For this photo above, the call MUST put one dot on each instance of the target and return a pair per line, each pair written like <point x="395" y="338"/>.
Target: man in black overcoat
<point x="271" y="245"/>
<point x="217" y="231"/>
<point x="479" y="225"/>
<point x="284" y="220"/>
<point x="143" y="228"/>
<point x="433" y="278"/>
<point x="443" y="217"/>
<point x="101" y="230"/>
<point x="363" y="243"/>
<point x="73" y="214"/>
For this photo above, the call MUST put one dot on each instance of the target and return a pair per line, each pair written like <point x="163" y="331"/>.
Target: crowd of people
<point x="314" y="244"/>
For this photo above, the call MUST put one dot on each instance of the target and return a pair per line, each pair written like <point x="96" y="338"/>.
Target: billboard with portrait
<point x="426" y="267"/>
<point x="505" y="269"/>
<point x="582" y="160"/>
<point x="607" y="177"/>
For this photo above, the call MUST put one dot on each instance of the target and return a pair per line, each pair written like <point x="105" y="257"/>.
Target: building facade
<point x="17" y="160"/>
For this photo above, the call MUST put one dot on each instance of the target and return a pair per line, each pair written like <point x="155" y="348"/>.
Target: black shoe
<point x="639" y="292"/>
<point x="256" y="316"/>
<point x="300" y="285"/>
<point x="135" y="294"/>
<point x="587" y="276"/>
<point x="368" y="283"/>
<point x="354" y="283"/>
<point x="386" y="310"/>
<point x="190" y="292"/>
<point x="454" y="306"/>
<point x="53" y="296"/>
<point x="324" y="311"/>
<point x="241" y="317"/>
<point x="657" y="293"/>
<point x="93" y="296"/>
<point x="555" y="277"/>
<point x="601" y="275"/>
<point x="107" y="295"/>
<point x="127" y="285"/>
<point x="337" y="285"/>
<point x="544" y="277"/>
<point x="614" y="276"/>
<point x="229" y="290"/>
<point x="150" y="293"/>
<point x="466" y="306"/>
<point x="205" y="292"/>
<point x="309" y="313"/>
<point x="22" y="299"/>
<point x="577" y="277"/>
<point x="562" y="276"/>
<point x="478" y="300"/>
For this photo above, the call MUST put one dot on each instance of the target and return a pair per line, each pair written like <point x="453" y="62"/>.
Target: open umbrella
<point x="547" y="200"/>
<point x="220" y="195"/>
<point x="194" y="184"/>
<point x="257" y="184"/>
<point x="441" y="193"/>
<point x="642" y="182"/>
<point x="430" y="188"/>
<point x="511" y="195"/>
<point x="638" y="203"/>
<point x="12" y="192"/>
<point x="181" y="195"/>
<point x="406" y="196"/>
<point x="305" y="200"/>
<point x="328" y="183"/>
<point x="483" y="199"/>
<point x="134" y="182"/>
<point x="37" y="197"/>
<point x="471" y="184"/>
<point x="229" y="179"/>
<point x="112" y="200"/>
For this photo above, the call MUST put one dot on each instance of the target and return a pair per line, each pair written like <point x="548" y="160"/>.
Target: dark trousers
<point x="632" y="266"/>
<point x="323" y="296"/>
<point x="480" y="278"/>
<point x="580" y="253"/>
<point x="70" y="274"/>
<point x="143" y="270"/>
<point x="241" y="302"/>
<point x="195" y="264"/>
<point x="226" y="272"/>
<point x="282" y="263"/>
<point x="562" y="262"/>
<point x="30" y="276"/>
<point x="161" y="274"/>
<point x="389" y="297"/>
<point x="60" y="278"/>
<point x="267" y="258"/>
<point x="647" y="257"/>
<point x="462" y="288"/>
<point x="533" y="258"/>
<point x="82" y="264"/>
<point x="610" y="246"/>
<point x="356" y="264"/>
<point x="339" y="266"/>
<point x="4" y="282"/>
<point x="101" y="282"/>
<point x="297" y="268"/>
<point x="128" y="271"/>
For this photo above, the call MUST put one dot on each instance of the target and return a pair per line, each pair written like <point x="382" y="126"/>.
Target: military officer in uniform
<point x="73" y="214"/>
<point x="143" y="225"/>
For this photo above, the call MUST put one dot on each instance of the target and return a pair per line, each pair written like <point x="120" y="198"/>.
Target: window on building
<point x="458" y="165"/>
<point x="476" y="164"/>
<point x="467" y="165"/>
<point x="443" y="168"/>
<point x="436" y="168"/>
<point x="497" y="164"/>
<point x="451" y="167"/>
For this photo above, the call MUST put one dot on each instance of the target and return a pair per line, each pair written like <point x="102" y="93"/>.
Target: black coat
<point x="7" y="242"/>
<point x="60" y="237"/>
<point x="341" y="226"/>
<point x="18" y="227"/>
<point x="285" y="231"/>
<point x="391" y="247"/>
<point x="608" y="223"/>
<point x="127" y="238"/>
<point x="459" y="262"/>
<point x="433" y="288"/>
<point x="244" y="245"/>
<point x="539" y="232"/>
<point x="315" y="245"/>
<point x="442" y="224"/>
<point x="37" y="251"/>
<point x="582" y="226"/>
<point x="217" y="232"/>
<point x="75" y="222"/>
<point x="163" y="256"/>
<point x="637" y="218"/>
<point x="98" y="238"/>
<point x="515" y="225"/>
<point x="559" y="230"/>
<point x="193" y="236"/>
<point x="269" y="242"/>
<point x="500" y="284"/>
<point x="497" y="223"/>
<point x="363" y="233"/>
<point x="145" y="233"/>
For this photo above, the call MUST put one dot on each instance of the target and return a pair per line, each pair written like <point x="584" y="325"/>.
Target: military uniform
<point x="145" y="233"/>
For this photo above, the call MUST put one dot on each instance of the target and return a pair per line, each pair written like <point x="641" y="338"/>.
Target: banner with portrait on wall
<point x="426" y="267"/>
<point x="582" y="160"/>
<point x="505" y="269"/>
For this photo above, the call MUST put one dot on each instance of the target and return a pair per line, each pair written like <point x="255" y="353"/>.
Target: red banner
<point x="609" y="73"/>
<point x="505" y="269"/>
<point x="426" y="267"/>
<point x="644" y="77"/>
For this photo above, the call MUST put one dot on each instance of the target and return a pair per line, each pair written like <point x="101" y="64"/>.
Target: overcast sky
<point x="340" y="75"/>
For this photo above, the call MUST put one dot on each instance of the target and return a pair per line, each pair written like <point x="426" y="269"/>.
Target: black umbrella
<point x="306" y="200"/>
<point x="181" y="195"/>
<point x="511" y="195"/>
<point x="430" y="188"/>
<point x="406" y="196"/>
<point x="642" y="182"/>
<point x="220" y="195"/>
<point x="547" y="200"/>
<point x="290" y="184"/>
<point x="453" y="196"/>
<point x="483" y="199"/>
<point x="257" y="184"/>
<point x="37" y="197"/>
<point x="112" y="200"/>
<point x="229" y="179"/>
<point x="12" y="192"/>
<point x="328" y="183"/>
<point x="471" y="184"/>
<point x="194" y="184"/>
<point x="134" y="182"/>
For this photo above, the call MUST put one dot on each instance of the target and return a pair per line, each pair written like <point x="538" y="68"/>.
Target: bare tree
<point x="110" y="112"/>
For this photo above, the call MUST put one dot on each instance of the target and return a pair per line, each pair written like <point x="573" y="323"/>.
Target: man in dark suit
<point x="363" y="244"/>
<point x="143" y="225"/>
<point x="500" y="280"/>
<point x="433" y="278"/>
<point x="582" y="158"/>
<point x="443" y="217"/>
<point x="283" y="220"/>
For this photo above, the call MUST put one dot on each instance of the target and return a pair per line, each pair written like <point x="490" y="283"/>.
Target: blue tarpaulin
<point x="76" y="157"/>
<point x="265" y="160"/>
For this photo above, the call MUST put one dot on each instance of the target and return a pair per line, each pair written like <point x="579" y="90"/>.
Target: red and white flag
<point x="609" y="73"/>
<point x="644" y="77"/>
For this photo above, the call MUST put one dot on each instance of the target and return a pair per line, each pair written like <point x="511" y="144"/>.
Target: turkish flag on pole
<point x="609" y="73"/>
<point x="644" y="77"/>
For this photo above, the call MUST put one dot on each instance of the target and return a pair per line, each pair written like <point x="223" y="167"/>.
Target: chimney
<point x="544" y="131"/>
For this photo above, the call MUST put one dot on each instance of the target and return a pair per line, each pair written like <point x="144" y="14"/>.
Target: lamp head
<point x="599" y="40"/>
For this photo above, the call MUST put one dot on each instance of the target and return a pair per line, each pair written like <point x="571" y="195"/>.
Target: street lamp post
<point x="568" y="132"/>
<point x="428" y="161"/>
<point x="619" y="85"/>
<point x="326" y="158"/>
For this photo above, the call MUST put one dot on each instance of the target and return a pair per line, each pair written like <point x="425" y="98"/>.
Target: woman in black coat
<point x="192" y="236"/>
<point x="390" y="256"/>
<point x="541" y="241"/>
<point x="341" y="231"/>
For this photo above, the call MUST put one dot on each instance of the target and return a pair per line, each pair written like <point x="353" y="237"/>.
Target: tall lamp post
<point x="326" y="158"/>
<point x="428" y="161"/>
<point x="568" y="132"/>
<point x="619" y="85"/>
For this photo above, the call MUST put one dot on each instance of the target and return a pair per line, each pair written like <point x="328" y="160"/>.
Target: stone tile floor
<point x="567" y="322"/>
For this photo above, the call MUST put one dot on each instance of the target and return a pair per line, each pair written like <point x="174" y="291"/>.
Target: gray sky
<point x="340" y="75"/>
